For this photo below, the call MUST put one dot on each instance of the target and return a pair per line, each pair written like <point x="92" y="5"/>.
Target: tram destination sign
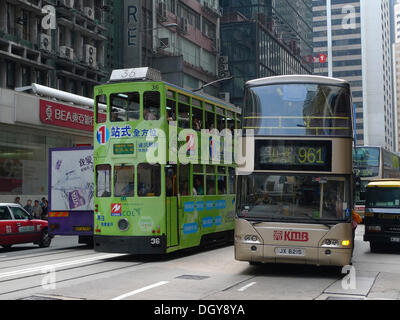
<point x="293" y="155"/>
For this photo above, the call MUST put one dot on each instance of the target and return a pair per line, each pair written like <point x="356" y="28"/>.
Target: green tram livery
<point x="161" y="185"/>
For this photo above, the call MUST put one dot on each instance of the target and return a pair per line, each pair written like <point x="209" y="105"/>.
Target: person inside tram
<point x="115" y="115"/>
<point x="148" y="114"/>
<point x="198" y="187"/>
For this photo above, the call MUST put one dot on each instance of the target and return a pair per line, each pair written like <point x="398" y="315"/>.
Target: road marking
<point x="57" y="265"/>
<point x="247" y="286"/>
<point x="158" y="284"/>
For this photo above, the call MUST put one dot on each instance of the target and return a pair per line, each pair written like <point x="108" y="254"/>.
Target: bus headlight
<point x="330" y="243"/>
<point x="251" y="238"/>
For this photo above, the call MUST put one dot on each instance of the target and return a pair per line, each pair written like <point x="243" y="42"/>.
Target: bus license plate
<point x="394" y="239"/>
<point x="289" y="252"/>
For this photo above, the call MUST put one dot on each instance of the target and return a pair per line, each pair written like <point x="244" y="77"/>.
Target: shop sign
<point x="57" y="114"/>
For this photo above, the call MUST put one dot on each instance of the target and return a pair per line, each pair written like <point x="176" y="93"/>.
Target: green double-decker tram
<point x="165" y="178"/>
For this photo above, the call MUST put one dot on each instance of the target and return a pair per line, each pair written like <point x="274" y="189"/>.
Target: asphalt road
<point x="67" y="270"/>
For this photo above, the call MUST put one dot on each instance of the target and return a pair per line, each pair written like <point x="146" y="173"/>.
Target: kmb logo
<point x="116" y="210"/>
<point x="290" y="236"/>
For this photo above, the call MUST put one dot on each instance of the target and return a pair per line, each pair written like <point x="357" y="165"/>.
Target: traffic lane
<point x="212" y="274"/>
<point x="58" y="242"/>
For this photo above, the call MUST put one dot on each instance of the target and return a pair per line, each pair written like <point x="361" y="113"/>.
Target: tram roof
<point x="296" y="79"/>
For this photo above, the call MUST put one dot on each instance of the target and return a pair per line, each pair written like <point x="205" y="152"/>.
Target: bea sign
<point x="66" y="116"/>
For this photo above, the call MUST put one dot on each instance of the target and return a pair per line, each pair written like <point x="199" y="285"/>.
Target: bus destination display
<point x="293" y="155"/>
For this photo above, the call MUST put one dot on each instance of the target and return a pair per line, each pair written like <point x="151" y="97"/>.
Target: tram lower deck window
<point x="124" y="181"/>
<point x="149" y="180"/>
<point x="103" y="181"/>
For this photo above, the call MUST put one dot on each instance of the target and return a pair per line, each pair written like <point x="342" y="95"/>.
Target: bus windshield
<point x="383" y="198"/>
<point x="298" y="110"/>
<point x="366" y="160"/>
<point x="300" y="197"/>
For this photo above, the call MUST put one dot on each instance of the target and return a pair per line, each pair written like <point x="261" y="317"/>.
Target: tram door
<point x="171" y="187"/>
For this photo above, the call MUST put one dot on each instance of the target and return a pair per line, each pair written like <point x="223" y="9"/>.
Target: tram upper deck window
<point x="151" y="105"/>
<point x="298" y="110"/>
<point x="124" y="107"/>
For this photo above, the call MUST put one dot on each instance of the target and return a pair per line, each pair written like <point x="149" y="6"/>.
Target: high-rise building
<point x="355" y="37"/>
<point x="396" y="73"/>
<point x="178" y="37"/>
<point x="264" y="38"/>
<point x="63" y="44"/>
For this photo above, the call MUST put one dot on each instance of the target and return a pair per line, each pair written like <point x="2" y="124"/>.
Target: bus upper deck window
<point x="101" y="107"/>
<point x="124" y="107"/>
<point x="151" y="105"/>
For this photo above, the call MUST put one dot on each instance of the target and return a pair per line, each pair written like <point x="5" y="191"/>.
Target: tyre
<point x="45" y="239"/>
<point x="375" y="247"/>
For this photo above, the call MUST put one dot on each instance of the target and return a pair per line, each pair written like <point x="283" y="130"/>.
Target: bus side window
<point x="151" y="105"/>
<point x="149" y="180"/>
<point x="124" y="181"/>
<point x="103" y="181"/>
<point x="101" y="105"/>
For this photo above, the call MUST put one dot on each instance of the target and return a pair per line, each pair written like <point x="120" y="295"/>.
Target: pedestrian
<point x="17" y="200"/>
<point x="42" y="203"/>
<point x="45" y="209"/>
<point x="28" y="207"/>
<point x="37" y="210"/>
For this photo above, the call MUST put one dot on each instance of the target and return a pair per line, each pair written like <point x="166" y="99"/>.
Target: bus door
<point x="172" y="212"/>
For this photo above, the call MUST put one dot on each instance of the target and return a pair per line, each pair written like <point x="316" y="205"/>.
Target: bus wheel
<point x="375" y="247"/>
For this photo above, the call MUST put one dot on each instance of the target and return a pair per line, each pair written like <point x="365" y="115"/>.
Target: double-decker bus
<point x="371" y="163"/>
<point x="294" y="193"/>
<point x="153" y="194"/>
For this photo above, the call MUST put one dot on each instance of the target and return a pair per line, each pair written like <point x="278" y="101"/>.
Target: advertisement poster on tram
<point x="71" y="180"/>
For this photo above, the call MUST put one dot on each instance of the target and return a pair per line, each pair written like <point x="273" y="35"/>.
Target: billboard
<point x="71" y="179"/>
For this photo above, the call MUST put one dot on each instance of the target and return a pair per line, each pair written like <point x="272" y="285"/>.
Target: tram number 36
<point x="155" y="242"/>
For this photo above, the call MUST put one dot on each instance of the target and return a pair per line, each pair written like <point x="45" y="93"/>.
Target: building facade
<point x="63" y="44"/>
<point x="178" y="37"/>
<point x="264" y="38"/>
<point x="355" y="37"/>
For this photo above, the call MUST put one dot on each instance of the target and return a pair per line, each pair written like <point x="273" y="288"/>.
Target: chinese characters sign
<point x="57" y="114"/>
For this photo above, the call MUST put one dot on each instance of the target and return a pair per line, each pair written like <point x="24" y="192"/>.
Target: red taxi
<point x="18" y="226"/>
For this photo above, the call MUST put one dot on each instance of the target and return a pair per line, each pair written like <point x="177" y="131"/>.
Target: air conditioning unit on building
<point x="163" y="43"/>
<point x="45" y="42"/>
<point x="226" y="96"/>
<point x="162" y="11"/>
<point x="66" y="3"/>
<point x="89" y="12"/>
<point x="67" y="52"/>
<point x="223" y="60"/>
<point x="90" y="54"/>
